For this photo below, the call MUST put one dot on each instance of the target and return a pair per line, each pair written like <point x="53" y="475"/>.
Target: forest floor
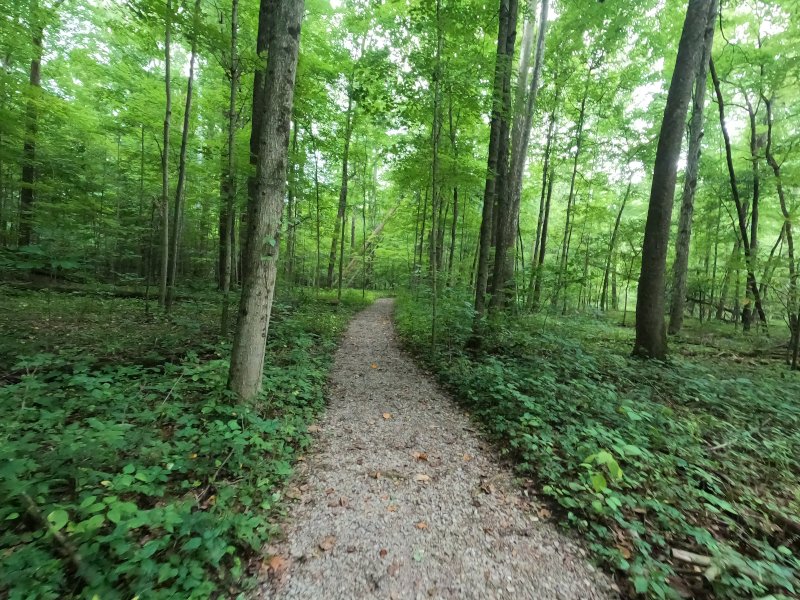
<point x="402" y="498"/>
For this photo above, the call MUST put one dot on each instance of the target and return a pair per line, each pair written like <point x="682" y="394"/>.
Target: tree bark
<point x="651" y="335"/>
<point x="682" y="244"/>
<point x="264" y="214"/>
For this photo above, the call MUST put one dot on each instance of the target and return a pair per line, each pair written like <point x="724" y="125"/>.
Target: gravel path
<point x="403" y="500"/>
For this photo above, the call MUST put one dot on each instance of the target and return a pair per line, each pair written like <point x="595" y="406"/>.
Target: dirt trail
<point x="402" y="499"/>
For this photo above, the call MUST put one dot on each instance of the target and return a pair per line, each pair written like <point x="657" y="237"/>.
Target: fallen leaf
<point x="329" y="491"/>
<point x="383" y="552"/>
<point x="626" y="552"/>
<point x="294" y="493"/>
<point x="276" y="567"/>
<point x="387" y="416"/>
<point x="392" y="508"/>
<point x="544" y="513"/>
<point x="422" y="525"/>
<point x="422" y="478"/>
<point x="393" y="569"/>
<point x="421" y="456"/>
<point x="419" y="554"/>
<point x="467" y="458"/>
<point x="375" y="474"/>
<point x="373" y="366"/>
<point x="327" y="543"/>
<point x="314" y="429"/>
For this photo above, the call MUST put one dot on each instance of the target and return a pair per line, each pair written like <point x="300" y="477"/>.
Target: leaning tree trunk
<point x="162" y="295"/>
<point x="612" y="244"/>
<point x="651" y="335"/>
<point x="683" y="241"/>
<point x="180" y="192"/>
<point x="264" y="212"/>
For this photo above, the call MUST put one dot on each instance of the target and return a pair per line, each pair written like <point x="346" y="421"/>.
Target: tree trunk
<point x="498" y="144"/>
<point x="27" y="196"/>
<point x="340" y="215"/>
<point x="564" y="261"/>
<point x="264" y="214"/>
<point x="612" y="244"/>
<point x="180" y="193"/>
<point x="229" y="191"/>
<point x="537" y="286"/>
<point x="791" y="303"/>
<point x="162" y="295"/>
<point x="503" y="279"/>
<point x="682" y="244"/>
<point x="651" y="335"/>
<point x="291" y="207"/>
<point x="752" y="284"/>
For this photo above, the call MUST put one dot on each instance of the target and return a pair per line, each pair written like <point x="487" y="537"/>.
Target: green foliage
<point x="121" y="480"/>
<point x="641" y="458"/>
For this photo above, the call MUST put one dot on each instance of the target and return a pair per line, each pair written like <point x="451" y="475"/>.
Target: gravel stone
<point x="393" y="452"/>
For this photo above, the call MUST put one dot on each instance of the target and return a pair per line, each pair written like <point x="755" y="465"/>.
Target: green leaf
<point x="599" y="482"/>
<point x="58" y="519"/>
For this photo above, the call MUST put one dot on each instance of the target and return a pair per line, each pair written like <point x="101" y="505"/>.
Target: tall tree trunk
<point x="162" y="294"/>
<point x="612" y="245"/>
<point x="564" y="262"/>
<point x="180" y="192"/>
<point x="497" y="164"/>
<point x="752" y="284"/>
<point x="682" y="244"/>
<point x="791" y="303"/>
<point x="229" y="182"/>
<point x="436" y="134"/>
<point x="503" y="279"/>
<point x="291" y="207"/>
<point x="651" y="335"/>
<point x="537" y="285"/>
<point x="262" y="242"/>
<point x="340" y="215"/>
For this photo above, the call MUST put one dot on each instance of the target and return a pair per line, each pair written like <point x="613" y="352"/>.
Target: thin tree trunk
<point x="436" y="132"/>
<point x="682" y="244"/>
<point x="794" y="317"/>
<point x="291" y="221"/>
<point x="180" y="193"/>
<point x="740" y="209"/>
<point x="229" y="193"/>
<point x="612" y="244"/>
<point x="651" y="335"/>
<point x="162" y="295"/>
<point x="537" y="286"/>
<point x="562" y="269"/>
<point x="340" y="215"/>
<point x="262" y="242"/>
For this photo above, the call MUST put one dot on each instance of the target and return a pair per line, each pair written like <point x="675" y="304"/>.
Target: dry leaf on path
<point x="314" y="429"/>
<point x="294" y="493"/>
<point x="387" y="416"/>
<point x="422" y="478"/>
<point x="421" y="456"/>
<point x="392" y="508"/>
<point x="383" y="552"/>
<point x="422" y="525"/>
<point x="373" y="366"/>
<point x="467" y="457"/>
<point x="276" y="567"/>
<point x="327" y="543"/>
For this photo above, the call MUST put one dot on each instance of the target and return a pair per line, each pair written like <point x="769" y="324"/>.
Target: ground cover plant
<point x="681" y="476"/>
<point x="122" y="480"/>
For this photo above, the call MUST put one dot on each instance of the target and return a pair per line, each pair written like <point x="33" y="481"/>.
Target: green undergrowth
<point x="121" y="480"/>
<point x="699" y="455"/>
